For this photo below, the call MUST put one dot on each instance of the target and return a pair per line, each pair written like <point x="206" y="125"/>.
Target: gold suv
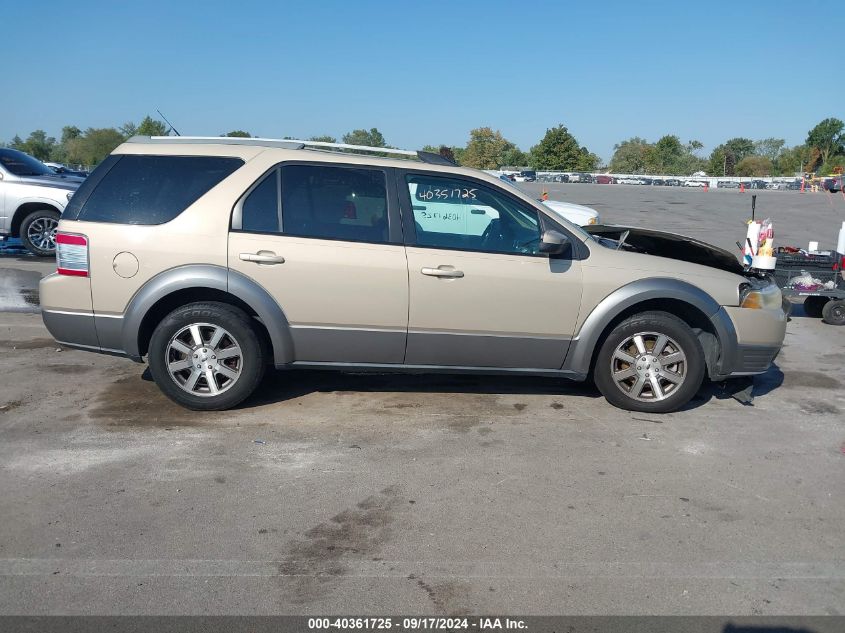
<point x="215" y="257"/>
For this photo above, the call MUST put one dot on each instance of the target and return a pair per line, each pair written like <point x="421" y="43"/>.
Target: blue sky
<point x="427" y="72"/>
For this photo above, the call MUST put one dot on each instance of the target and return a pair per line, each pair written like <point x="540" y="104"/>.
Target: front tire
<point x="651" y="362"/>
<point x="207" y="356"/>
<point x="38" y="232"/>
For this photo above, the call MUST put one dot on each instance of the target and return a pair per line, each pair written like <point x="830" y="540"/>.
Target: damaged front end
<point x="670" y="245"/>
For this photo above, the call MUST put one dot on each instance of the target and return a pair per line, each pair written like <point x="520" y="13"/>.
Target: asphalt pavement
<point x="378" y="494"/>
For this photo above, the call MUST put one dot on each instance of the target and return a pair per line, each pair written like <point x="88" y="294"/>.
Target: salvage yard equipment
<point x="818" y="278"/>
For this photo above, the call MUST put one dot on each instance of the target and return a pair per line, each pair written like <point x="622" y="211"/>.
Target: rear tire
<point x="833" y="312"/>
<point x="38" y="232"/>
<point x="814" y="306"/>
<point x="207" y="356"/>
<point x="651" y="362"/>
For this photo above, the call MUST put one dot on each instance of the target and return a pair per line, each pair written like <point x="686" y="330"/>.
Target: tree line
<point x="486" y="148"/>
<point x="823" y="152"/>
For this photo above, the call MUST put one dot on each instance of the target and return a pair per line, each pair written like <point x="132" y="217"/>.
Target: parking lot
<point x="379" y="494"/>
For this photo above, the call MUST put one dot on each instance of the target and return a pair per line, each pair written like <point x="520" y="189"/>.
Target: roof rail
<point x="426" y="157"/>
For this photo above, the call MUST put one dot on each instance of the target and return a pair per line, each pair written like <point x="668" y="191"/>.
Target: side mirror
<point x="553" y="242"/>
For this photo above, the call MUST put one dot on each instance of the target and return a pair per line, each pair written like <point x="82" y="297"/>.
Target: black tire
<point x="652" y="324"/>
<point x="833" y="312"/>
<point x="45" y="217"/>
<point x="240" y="332"/>
<point x="814" y="306"/>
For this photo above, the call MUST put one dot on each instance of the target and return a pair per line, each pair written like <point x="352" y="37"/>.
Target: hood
<point x="70" y="183"/>
<point x="570" y="211"/>
<point x="671" y="245"/>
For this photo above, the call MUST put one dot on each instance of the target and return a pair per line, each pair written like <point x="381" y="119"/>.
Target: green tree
<point x="371" y="138"/>
<point x="558" y="150"/>
<point x="94" y="145"/>
<point x="16" y="143"/>
<point x="769" y="147"/>
<point x="325" y="138"/>
<point x="514" y="157"/>
<point x="833" y="163"/>
<point x="630" y="157"/>
<point x="793" y="160"/>
<point x="587" y="161"/>
<point x="152" y="127"/>
<point x="740" y="147"/>
<point x="828" y="138"/>
<point x="485" y="149"/>
<point x="754" y="166"/>
<point x="238" y="134"/>
<point x="38" y="144"/>
<point x="128" y="129"/>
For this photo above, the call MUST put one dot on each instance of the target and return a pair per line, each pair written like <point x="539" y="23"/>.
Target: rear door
<point x="481" y="293"/>
<point x="326" y="242"/>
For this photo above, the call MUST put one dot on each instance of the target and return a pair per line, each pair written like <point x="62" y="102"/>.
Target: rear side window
<point x="320" y="201"/>
<point x="338" y="203"/>
<point x="153" y="189"/>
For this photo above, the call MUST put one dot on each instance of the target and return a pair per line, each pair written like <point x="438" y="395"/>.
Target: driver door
<point x="481" y="293"/>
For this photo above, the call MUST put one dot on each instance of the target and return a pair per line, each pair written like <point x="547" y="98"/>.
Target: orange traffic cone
<point x="706" y="186"/>
<point x="742" y="187"/>
<point x="802" y="185"/>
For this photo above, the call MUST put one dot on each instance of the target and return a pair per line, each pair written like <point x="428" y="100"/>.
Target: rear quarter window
<point x="153" y="189"/>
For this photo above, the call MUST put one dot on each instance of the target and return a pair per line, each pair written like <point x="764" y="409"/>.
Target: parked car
<point x="658" y="181"/>
<point x="32" y="196"/>
<point x="833" y="185"/>
<point x="794" y="185"/>
<point x="64" y="170"/>
<point x="758" y="184"/>
<point x="673" y="182"/>
<point x="603" y="179"/>
<point x="246" y="253"/>
<point x="575" y="213"/>
<point x="695" y="183"/>
<point x="727" y="184"/>
<point x="526" y="176"/>
<point x="561" y="178"/>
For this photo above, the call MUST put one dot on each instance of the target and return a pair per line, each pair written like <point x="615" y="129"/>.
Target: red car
<point x="605" y="180"/>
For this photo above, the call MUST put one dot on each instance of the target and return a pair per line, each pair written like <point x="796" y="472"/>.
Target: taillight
<point x="72" y="254"/>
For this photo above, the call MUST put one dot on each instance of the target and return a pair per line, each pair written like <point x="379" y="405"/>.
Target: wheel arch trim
<point x="197" y="276"/>
<point x="580" y="355"/>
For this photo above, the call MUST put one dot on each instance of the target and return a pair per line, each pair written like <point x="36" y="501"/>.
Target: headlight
<point x="69" y="195"/>
<point x="767" y="297"/>
<point x="593" y="221"/>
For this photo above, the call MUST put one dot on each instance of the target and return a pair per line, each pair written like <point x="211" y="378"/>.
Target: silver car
<point x="32" y="197"/>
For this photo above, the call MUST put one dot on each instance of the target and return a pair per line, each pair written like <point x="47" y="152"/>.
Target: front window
<point x="21" y="164"/>
<point x="453" y="213"/>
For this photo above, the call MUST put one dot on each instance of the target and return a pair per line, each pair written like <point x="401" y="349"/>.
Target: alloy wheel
<point x="204" y="359"/>
<point x="648" y="366"/>
<point x="42" y="233"/>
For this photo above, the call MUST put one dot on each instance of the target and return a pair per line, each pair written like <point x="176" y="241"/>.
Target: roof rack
<point x="426" y="157"/>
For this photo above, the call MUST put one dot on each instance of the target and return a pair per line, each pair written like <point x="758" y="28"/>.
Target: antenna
<point x="168" y="122"/>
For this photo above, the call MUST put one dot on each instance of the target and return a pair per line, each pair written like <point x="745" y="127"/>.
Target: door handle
<point x="262" y="257"/>
<point x="441" y="272"/>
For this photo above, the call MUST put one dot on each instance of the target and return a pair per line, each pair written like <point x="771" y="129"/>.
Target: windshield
<point x="21" y="164"/>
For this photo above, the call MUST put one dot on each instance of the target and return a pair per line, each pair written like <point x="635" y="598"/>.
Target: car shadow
<point x="281" y="385"/>
<point x="742" y="389"/>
